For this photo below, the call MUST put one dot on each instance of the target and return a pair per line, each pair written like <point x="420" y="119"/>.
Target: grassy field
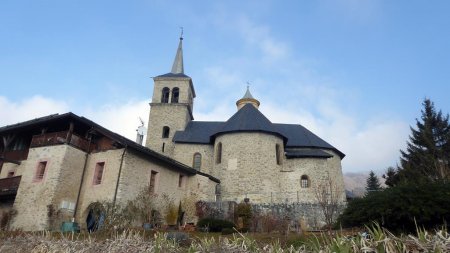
<point x="377" y="240"/>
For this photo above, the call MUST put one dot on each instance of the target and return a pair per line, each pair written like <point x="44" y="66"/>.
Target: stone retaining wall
<point x="305" y="215"/>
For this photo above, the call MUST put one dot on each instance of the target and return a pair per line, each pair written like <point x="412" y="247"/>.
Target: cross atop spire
<point x="247" y="93"/>
<point x="178" y="67"/>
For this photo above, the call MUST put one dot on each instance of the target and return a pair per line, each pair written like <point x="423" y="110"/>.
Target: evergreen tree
<point x="391" y="176"/>
<point x="427" y="155"/>
<point x="402" y="208"/>
<point x="372" y="183"/>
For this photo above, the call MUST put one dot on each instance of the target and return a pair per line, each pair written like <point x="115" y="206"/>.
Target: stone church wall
<point x="181" y="83"/>
<point x="184" y="153"/>
<point x="248" y="167"/>
<point x="318" y="170"/>
<point x="173" y="115"/>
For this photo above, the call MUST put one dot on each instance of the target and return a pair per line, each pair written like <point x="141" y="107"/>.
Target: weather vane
<point x="181" y="36"/>
<point x="248" y="84"/>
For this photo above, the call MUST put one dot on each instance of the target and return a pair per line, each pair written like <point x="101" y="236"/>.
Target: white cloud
<point x="374" y="145"/>
<point x="371" y="146"/>
<point x="29" y="108"/>
<point x="260" y="36"/>
<point x="314" y="100"/>
<point x="120" y="118"/>
<point x="254" y="35"/>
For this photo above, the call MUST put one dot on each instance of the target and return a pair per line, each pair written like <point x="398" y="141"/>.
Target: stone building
<point x="252" y="157"/>
<point x="66" y="162"/>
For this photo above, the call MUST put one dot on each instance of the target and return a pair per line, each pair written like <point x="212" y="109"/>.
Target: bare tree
<point x="328" y="194"/>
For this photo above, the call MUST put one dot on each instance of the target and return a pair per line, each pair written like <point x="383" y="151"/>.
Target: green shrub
<point x="228" y="231"/>
<point x="244" y="211"/>
<point x="399" y="208"/>
<point x="215" y="225"/>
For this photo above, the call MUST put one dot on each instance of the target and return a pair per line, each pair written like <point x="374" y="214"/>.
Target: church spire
<point x="248" y="94"/>
<point x="247" y="99"/>
<point x="178" y="67"/>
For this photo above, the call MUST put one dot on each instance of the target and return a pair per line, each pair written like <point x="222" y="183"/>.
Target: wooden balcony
<point x="15" y="155"/>
<point x="49" y="139"/>
<point x="9" y="186"/>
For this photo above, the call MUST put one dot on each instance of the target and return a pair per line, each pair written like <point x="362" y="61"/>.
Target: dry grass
<point x="379" y="240"/>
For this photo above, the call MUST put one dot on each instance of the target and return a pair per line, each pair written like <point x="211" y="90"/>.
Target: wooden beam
<point x="6" y="160"/>
<point x="70" y="132"/>
<point x="7" y="140"/>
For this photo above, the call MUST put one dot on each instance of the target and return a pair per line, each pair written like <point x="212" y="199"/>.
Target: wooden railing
<point x="48" y="139"/>
<point x="55" y="138"/>
<point x="9" y="185"/>
<point x="15" y="155"/>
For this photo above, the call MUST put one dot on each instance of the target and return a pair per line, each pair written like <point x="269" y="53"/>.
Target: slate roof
<point x="178" y="75"/>
<point x="198" y="132"/>
<point x="170" y="74"/>
<point x="178" y="66"/>
<point x="250" y="119"/>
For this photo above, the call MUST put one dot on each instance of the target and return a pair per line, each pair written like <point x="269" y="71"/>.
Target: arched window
<point x="304" y="181"/>
<point x="175" y="95"/>
<point x="166" y="132"/>
<point x="277" y="153"/>
<point x="197" y="162"/>
<point x="165" y="95"/>
<point x="219" y="153"/>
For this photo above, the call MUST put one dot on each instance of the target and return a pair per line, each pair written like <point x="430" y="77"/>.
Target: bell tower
<point x="171" y="106"/>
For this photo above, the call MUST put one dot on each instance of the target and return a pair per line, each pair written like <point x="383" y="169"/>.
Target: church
<point x="251" y="156"/>
<point x="54" y="168"/>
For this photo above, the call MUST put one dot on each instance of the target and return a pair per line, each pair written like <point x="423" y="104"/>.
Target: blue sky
<point x="354" y="72"/>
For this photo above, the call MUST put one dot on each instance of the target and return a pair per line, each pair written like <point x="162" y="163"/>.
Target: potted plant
<point x="171" y="215"/>
<point x="142" y="207"/>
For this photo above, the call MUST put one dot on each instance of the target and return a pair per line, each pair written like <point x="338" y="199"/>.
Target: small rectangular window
<point x="11" y="173"/>
<point x="98" y="173"/>
<point x="219" y="153"/>
<point x="64" y="204"/>
<point x="152" y="186"/>
<point x="166" y="132"/>
<point x="71" y="206"/>
<point x="197" y="161"/>
<point x="40" y="171"/>
<point x="277" y="154"/>
<point x="181" y="181"/>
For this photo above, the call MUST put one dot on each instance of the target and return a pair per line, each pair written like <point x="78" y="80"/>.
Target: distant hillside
<point x="356" y="181"/>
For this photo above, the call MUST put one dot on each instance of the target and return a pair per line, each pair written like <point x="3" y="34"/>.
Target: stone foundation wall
<point x="305" y="215"/>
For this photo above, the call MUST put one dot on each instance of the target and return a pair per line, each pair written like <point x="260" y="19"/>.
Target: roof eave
<point x="339" y="153"/>
<point x="214" y="136"/>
